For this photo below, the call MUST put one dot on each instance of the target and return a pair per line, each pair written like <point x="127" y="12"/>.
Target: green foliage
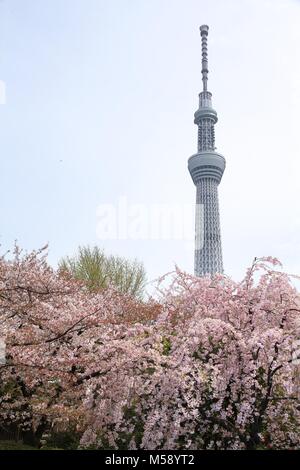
<point x="98" y="270"/>
<point x="13" y="445"/>
<point x="261" y="376"/>
<point x="131" y="415"/>
<point x="150" y="370"/>
<point x="18" y="445"/>
<point x="10" y="388"/>
<point x="66" y="440"/>
<point x="166" y="346"/>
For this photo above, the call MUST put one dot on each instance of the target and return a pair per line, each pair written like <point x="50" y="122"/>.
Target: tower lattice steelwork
<point x="206" y="168"/>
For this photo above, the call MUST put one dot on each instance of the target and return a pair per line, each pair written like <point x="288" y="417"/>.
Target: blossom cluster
<point x="209" y="365"/>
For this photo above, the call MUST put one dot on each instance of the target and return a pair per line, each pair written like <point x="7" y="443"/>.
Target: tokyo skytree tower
<point x="206" y="168"/>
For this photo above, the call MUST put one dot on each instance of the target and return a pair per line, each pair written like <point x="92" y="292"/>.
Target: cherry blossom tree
<point x="208" y="366"/>
<point x="55" y="332"/>
<point x="214" y="372"/>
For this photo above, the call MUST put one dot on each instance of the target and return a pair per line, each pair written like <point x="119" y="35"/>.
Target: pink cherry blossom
<point x="208" y="366"/>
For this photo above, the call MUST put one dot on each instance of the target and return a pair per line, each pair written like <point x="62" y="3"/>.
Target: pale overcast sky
<point x="100" y="97"/>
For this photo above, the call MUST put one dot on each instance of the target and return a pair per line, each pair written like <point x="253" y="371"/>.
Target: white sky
<point x="100" y="97"/>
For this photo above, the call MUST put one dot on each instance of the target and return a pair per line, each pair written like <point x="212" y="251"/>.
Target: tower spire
<point x="204" y="33"/>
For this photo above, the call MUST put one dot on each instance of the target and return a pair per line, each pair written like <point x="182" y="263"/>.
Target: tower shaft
<point x="208" y="250"/>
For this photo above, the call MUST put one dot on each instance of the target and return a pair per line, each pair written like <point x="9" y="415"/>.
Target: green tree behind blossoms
<point x="98" y="271"/>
